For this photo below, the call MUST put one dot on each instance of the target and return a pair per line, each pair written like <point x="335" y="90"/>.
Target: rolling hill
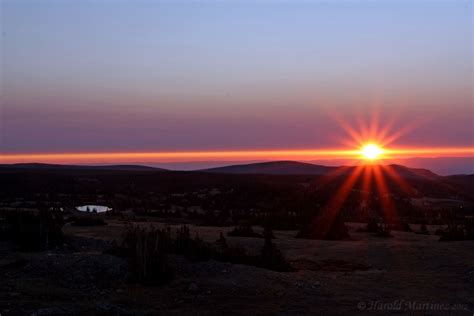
<point x="41" y="166"/>
<point x="275" y="168"/>
<point x="120" y="178"/>
<point x="300" y="168"/>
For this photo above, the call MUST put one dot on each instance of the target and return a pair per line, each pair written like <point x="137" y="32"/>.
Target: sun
<point x="371" y="151"/>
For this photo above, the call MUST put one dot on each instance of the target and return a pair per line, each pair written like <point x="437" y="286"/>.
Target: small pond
<point x="93" y="208"/>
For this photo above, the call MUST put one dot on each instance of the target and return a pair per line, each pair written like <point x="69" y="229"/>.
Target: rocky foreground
<point x="407" y="274"/>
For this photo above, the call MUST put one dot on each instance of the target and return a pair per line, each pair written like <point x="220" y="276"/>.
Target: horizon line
<point x="235" y="155"/>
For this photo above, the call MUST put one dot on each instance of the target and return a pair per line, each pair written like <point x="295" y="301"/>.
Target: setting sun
<point x="371" y="151"/>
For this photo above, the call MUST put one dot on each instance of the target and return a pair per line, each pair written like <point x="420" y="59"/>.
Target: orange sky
<point x="232" y="155"/>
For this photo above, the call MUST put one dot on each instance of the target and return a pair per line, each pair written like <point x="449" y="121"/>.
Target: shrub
<point x="469" y="228"/>
<point x="268" y="233"/>
<point x="271" y="257"/>
<point x="384" y="232"/>
<point x="325" y="228"/>
<point x="194" y="249"/>
<point x="281" y="221"/>
<point x="373" y="226"/>
<point x="423" y="230"/>
<point x="34" y="232"/>
<point x="244" y="231"/>
<point x="233" y="254"/>
<point x="88" y="221"/>
<point x="453" y="233"/>
<point x="149" y="248"/>
<point x="221" y="242"/>
<point x="439" y="232"/>
<point x="459" y="232"/>
<point x="146" y="249"/>
<point x="402" y="226"/>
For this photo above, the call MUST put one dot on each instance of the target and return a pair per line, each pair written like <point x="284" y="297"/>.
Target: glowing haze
<point x="117" y="81"/>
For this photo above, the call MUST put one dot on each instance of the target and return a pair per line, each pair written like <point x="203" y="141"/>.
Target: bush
<point x="88" y="221"/>
<point x="384" y="232"/>
<point x="453" y="233"/>
<point x="221" y="242"/>
<point x="194" y="249"/>
<point x="33" y="232"/>
<point x="402" y="226"/>
<point x="469" y="228"/>
<point x="281" y="221"/>
<point x="325" y="228"/>
<point x="373" y="226"/>
<point x="423" y="230"/>
<point x="234" y="254"/>
<point x="271" y="257"/>
<point x="439" y="232"/>
<point x="459" y="232"/>
<point x="268" y="233"/>
<point x="244" y="231"/>
<point x="148" y="250"/>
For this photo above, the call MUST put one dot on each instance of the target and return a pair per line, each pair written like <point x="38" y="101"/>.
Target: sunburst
<point x="372" y="151"/>
<point x="373" y="146"/>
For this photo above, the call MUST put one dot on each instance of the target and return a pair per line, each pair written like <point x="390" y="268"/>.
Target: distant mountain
<point x="41" y="166"/>
<point x="275" y="167"/>
<point x="465" y="182"/>
<point x="20" y="178"/>
<point x="270" y="168"/>
<point x="406" y="172"/>
<point x="300" y="168"/>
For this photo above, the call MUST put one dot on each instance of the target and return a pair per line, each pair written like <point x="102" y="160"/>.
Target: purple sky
<point x="96" y="75"/>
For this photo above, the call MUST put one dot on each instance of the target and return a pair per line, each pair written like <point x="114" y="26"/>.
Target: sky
<point x="103" y="76"/>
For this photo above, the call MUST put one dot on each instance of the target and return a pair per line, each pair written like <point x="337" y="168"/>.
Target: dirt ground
<point x="404" y="275"/>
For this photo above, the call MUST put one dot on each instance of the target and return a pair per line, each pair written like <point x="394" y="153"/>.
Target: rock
<point x="51" y="311"/>
<point x="16" y="264"/>
<point x="107" y="307"/>
<point x="470" y="276"/>
<point x="193" y="288"/>
<point x="88" y="272"/>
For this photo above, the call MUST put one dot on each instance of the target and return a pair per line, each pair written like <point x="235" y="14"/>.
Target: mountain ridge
<point x="44" y="166"/>
<point x="273" y="167"/>
<point x="282" y="167"/>
<point x="300" y="168"/>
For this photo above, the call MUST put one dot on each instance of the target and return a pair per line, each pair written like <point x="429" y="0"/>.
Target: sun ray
<point x="402" y="184"/>
<point x="367" y="182"/>
<point x="332" y="209"/>
<point x="388" y="208"/>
